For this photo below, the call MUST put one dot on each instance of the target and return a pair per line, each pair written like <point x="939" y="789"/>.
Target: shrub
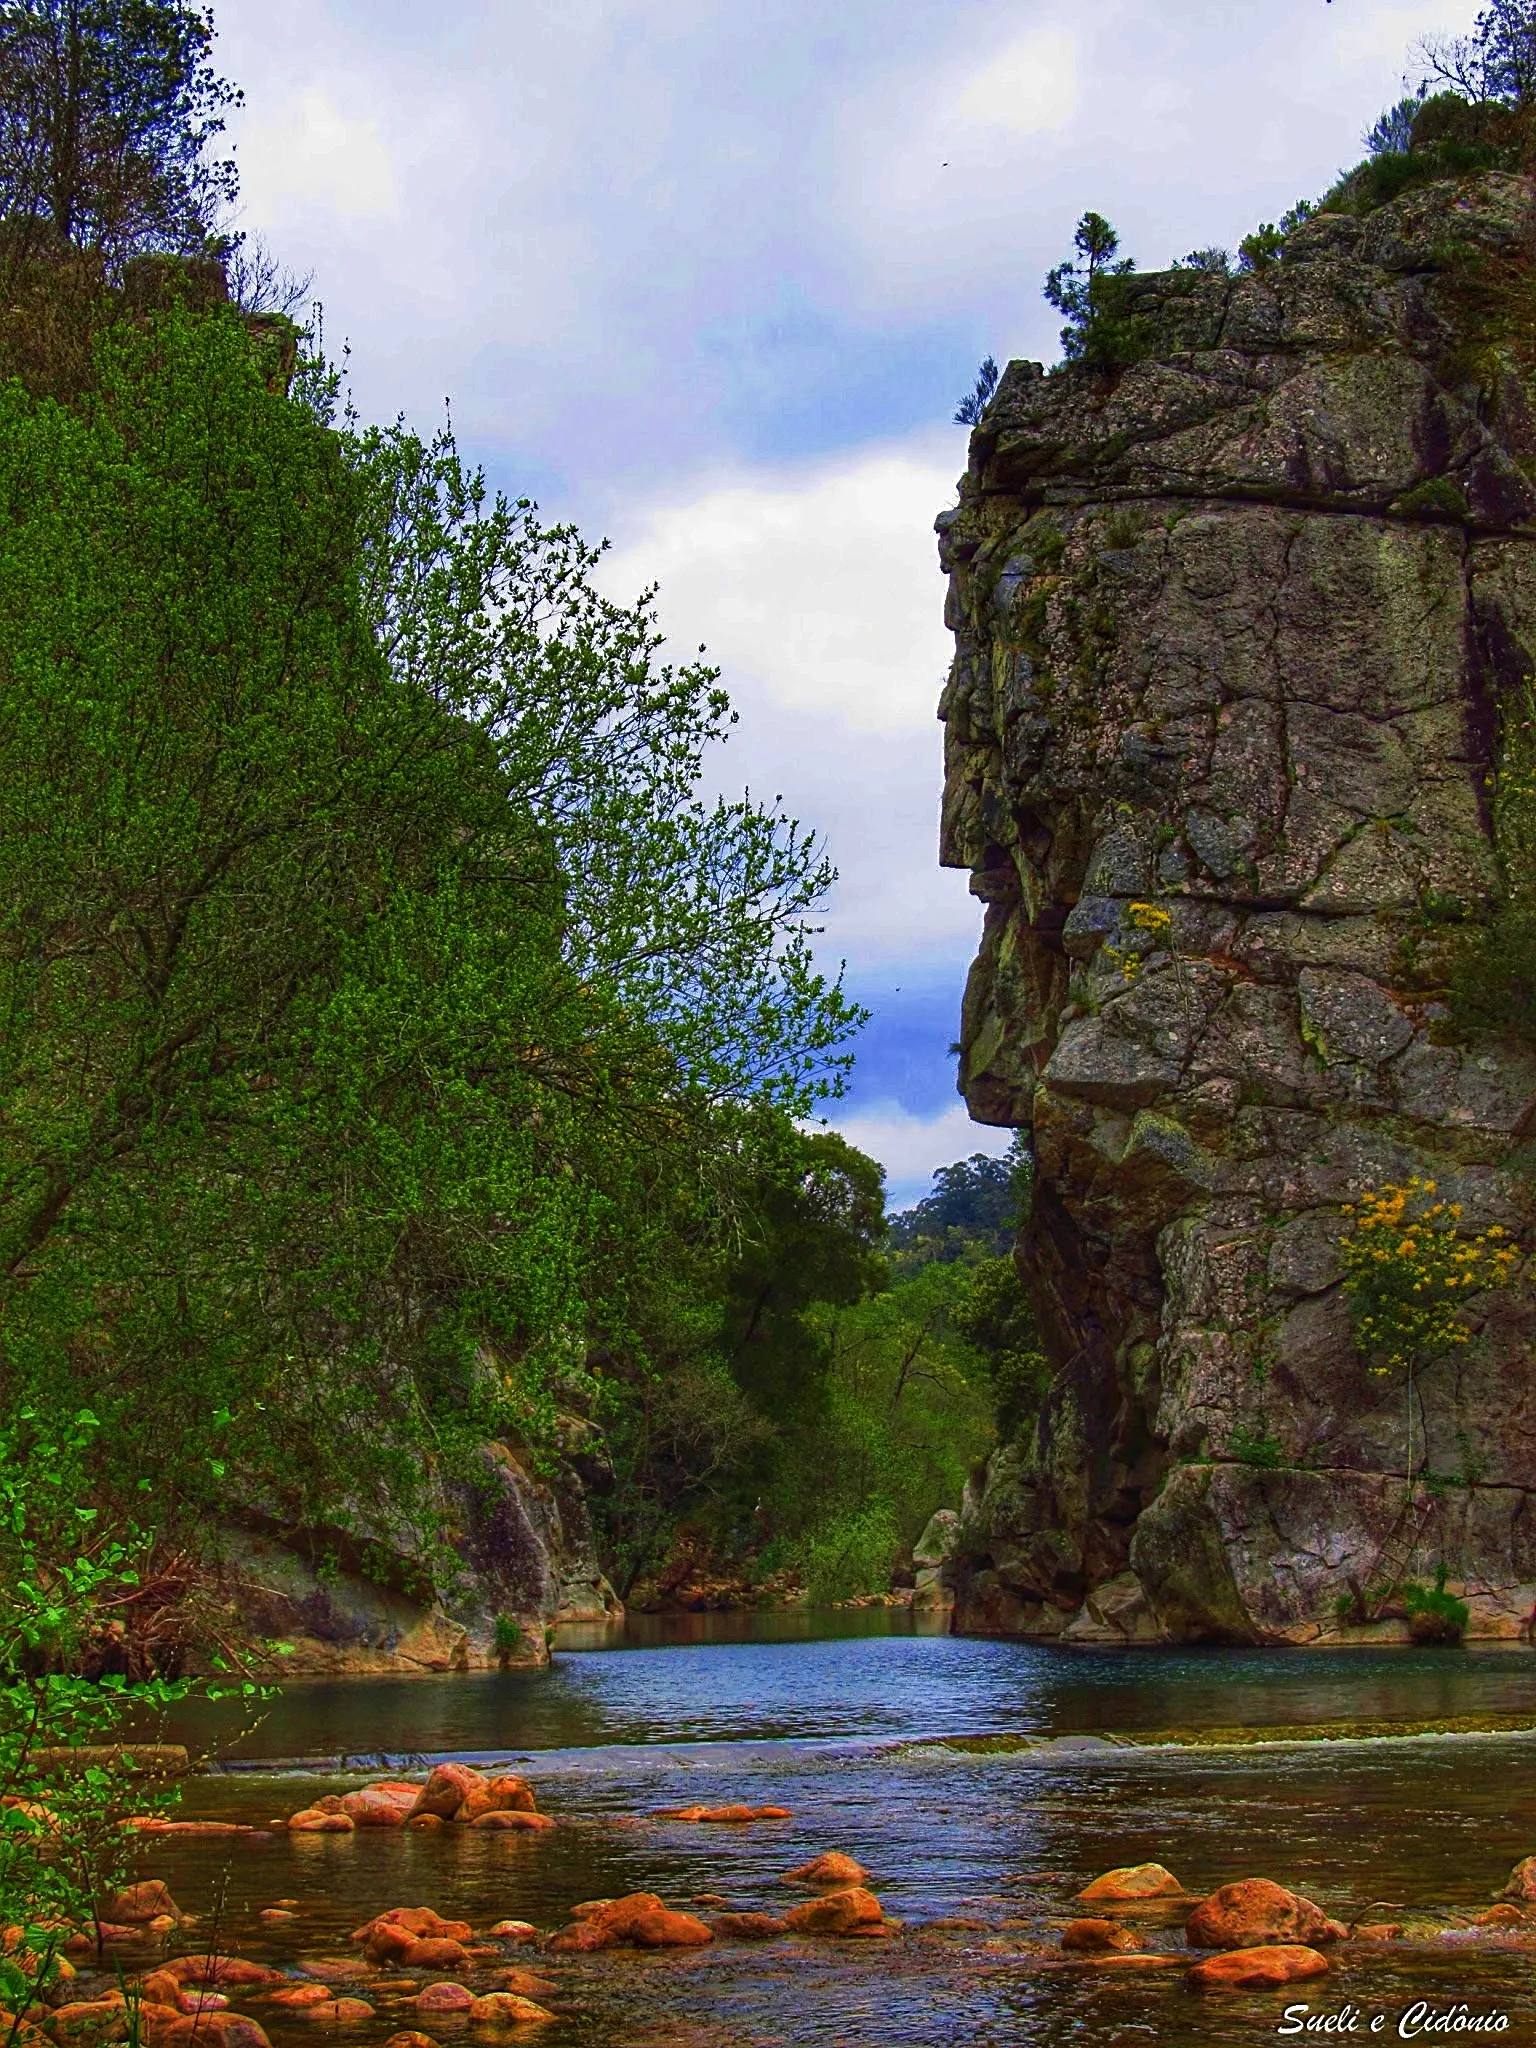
<point x="506" y="1636"/>
<point x="1256" y="1447"/>
<point x="1435" y="1616"/>
<point x="1408" y="1272"/>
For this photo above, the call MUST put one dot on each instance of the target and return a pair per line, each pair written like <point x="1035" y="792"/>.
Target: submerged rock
<point x="1258" y="1969"/>
<point x="1089" y="1936"/>
<point x="832" y="1867"/>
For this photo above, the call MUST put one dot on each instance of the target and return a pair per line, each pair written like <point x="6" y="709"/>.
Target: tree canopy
<point x="107" y="112"/>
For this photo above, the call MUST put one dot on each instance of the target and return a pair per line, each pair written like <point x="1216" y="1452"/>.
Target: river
<point x="836" y="1717"/>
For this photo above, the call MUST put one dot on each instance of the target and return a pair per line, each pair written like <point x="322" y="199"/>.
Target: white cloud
<point x="818" y="591"/>
<point x="1028" y="88"/>
<point x="823" y="583"/>
<point x="315" y="153"/>
<point x="913" y="1148"/>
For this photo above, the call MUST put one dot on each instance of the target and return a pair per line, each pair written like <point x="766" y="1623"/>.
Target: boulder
<point x="1522" y="1880"/>
<point x="447" y="1788"/>
<point x="840" y="1912"/>
<point x="223" y="1971"/>
<point x="410" y="2039"/>
<point x="1093" y="1936"/>
<point x="1257" y="1969"/>
<point x="312" y="1820"/>
<point x="1380" y="1930"/>
<point x="832" y="1868"/>
<point x="336" y="2012"/>
<point x="276" y="1916"/>
<point x="417" y="1921"/>
<point x="149" y="1900"/>
<point x="433" y="1952"/>
<point x="511" y="1820"/>
<point x="293" y="1997"/>
<point x="1499" y="1916"/>
<point x="514" y="1930"/>
<point x="217" y="2030"/>
<point x="496" y="1795"/>
<point x="526" y="1983"/>
<point x="748" y="1926"/>
<point x="606" y="1923"/>
<point x="445" y="1998"/>
<point x="1255" y="1913"/>
<point x="506" y="2009"/>
<point x="666" y="1929"/>
<point x="1133" y="1881"/>
<point x="380" y="1806"/>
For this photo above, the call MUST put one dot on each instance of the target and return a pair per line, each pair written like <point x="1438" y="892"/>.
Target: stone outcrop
<point x="1233" y="630"/>
<point x="520" y="1549"/>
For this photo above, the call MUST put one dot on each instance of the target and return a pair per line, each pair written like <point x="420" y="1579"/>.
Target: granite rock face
<point x="1233" y="626"/>
<point x="518" y="1546"/>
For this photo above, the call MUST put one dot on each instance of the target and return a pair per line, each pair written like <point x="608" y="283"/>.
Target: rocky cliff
<point x="1233" y="627"/>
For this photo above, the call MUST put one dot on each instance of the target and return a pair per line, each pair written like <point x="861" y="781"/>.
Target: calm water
<point x="828" y="1724"/>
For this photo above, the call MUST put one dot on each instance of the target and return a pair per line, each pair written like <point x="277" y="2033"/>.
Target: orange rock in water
<point x="276" y="1916"/>
<point x="1496" y="1916"/>
<point x="584" y="1938"/>
<point x="838" y="1913"/>
<point x="410" y="2039"/>
<point x="513" y="1930"/>
<point x="202" y="2001"/>
<point x="216" y="2030"/>
<point x="447" y="1788"/>
<point x="336" y="2012"/>
<point x="379" y="1806"/>
<point x="434" y="1953"/>
<point x="512" y="1819"/>
<point x="314" y="1820"/>
<point x="1254" y="1913"/>
<point x="666" y="1929"/>
<point x="445" y="1998"/>
<point x="425" y="1820"/>
<point x="138" y="1903"/>
<point x="506" y="2009"/>
<point x="507" y="1794"/>
<point x="1132" y="1881"/>
<point x="1258" y="1969"/>
<point x="1088" y="1936"/>
<point x="294" y="1996"/>
<point x="526" y="1983"/>
<point x="831" y="1868"/>
<point x="420" y="1923"/>
<point x="728" y="1813"/>
<point x="222" y="1971"/>
<point x="605" y="1923"/>
<point x="1522" y="1880"/>
<point x="748" y="1926"/>
<point x="1382" y="1930"/>
<point x="160" y="1987"/>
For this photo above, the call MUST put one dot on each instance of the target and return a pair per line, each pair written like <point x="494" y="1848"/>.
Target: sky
<point x="709" y="277"/>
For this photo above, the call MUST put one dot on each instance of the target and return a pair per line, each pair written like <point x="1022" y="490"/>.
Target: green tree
<point x="973" y="1212"/>
<point x="1090" y="288"/>
<point x="107" y="111"/>
<point x="367" y="960"/>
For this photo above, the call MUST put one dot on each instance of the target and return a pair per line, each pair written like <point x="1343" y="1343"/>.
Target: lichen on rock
<point x="1233" y="627"/>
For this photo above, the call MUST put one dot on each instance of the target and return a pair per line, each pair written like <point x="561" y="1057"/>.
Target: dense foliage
<point x="369" y="971"/>
<point x="815" y="1396"/>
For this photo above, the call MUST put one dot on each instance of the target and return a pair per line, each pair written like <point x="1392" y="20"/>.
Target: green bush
<point x="1435" y="1616"/>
